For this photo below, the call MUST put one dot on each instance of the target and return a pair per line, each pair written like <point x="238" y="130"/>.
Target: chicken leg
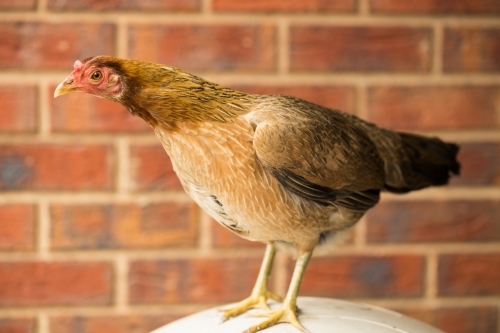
<point x="287" y="313"/>
<point x="260" y="293"/>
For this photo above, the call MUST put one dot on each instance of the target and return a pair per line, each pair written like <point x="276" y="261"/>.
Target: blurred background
<point x="96" y="234"/>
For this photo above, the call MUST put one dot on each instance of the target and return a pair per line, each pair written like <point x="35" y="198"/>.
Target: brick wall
<point x="96" y="234"/>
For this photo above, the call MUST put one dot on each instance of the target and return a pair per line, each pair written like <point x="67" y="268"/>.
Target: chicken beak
<point x="65" y="87"/>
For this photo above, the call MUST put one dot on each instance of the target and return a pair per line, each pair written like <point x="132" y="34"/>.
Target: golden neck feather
<point x="169" y="96"/>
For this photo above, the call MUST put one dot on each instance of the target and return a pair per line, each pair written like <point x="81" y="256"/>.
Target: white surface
<point x="318" y="315"/>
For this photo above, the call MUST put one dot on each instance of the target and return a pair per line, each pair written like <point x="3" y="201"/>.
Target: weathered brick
<point x="434" y="221"/>
<point x="471" y="50"/>
<point x="393" y="49"/>
<point x="151" y="169"/>
<point x="17" y="227"/>
<point x="51" y="167"/>
<point x="129" y="5"/>
<point x="457" y="320"/>
<point x="488" y="7"/>
<point x="86" y="113"/>
<point x="223" y="238"/>
<point x="55" y="283"/>
<point x="267" y="6"/>
<point x="17" y="325"/>
<point x="18" y="105"/>
<point x="35" y="45"/>
<point x="469" y="274"/>
<point x="221" y="47"/>
<point x="364" y="276"/>
<point x="9" y="5"/>
<point x="123" y="226"/>
<point x="193" y="280"/>
<point x="110" y="324"/>
<point x="434" y="107"/>
<point x="336" y="97"/>
<point x="479" y="164"/>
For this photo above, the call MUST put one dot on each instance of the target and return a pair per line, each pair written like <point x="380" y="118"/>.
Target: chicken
<point x="275" y="169"/>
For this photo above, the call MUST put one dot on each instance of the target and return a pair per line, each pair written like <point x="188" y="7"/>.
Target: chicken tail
<point x="425" y="162"/>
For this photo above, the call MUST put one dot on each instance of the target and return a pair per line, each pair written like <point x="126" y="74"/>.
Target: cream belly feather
<point x="218" y="168"/>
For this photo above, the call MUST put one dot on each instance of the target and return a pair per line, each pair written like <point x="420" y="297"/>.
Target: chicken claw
<point x="257" y="301"/>
<point x="283" y="315"/>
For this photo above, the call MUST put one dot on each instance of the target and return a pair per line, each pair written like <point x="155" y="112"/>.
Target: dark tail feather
<point x="428" y="162"/>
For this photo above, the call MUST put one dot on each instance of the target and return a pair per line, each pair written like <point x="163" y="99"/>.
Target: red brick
<point x="9" y="5"/>
<point x="223" y="238"/>
<point x="364" y="276"/>
<point x="17" y="325"/>
<point x="488" y="7"/>
<point x="471" y="50"/>
<point x="18" y="105"/>
<point x="17" y="227"/>
<point x="335" y="97"/>
<point x="469" y="274"/>
<point x="371" y="49"/>
<point x="34" y="45"/>
<point x="434" y="107"/>
<point x="221" y="47"/>
<point x="197" y="280"/>
<point x="132" y="5"/>
<point x="286" y="6"/>
<point x="151" y="169"/>
<point x="86" y="113"/>
<point x="123" y="226"/>
<point x="55" y="283"/>
<point x="458" y="320"/>
<point x="434" y="221"/>
<point x="110" y="324"/>
<point x="51" y="167"/>
<point x="479" y="164"/>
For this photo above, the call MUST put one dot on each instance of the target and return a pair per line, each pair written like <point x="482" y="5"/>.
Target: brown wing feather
<point x="312" y="150"/>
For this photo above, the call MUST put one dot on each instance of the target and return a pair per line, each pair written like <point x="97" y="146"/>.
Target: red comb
<point x="78" y="65"/>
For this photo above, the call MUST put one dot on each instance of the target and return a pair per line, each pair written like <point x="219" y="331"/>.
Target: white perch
<point x="318" y="315"/>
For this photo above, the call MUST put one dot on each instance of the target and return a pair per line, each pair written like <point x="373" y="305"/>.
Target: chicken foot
<point x="260" y="293"/>
<point x="287" y="312"/>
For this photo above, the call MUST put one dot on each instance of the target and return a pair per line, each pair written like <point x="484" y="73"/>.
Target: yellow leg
<point x="260" y="293"/>
<point x="287" y="312"/>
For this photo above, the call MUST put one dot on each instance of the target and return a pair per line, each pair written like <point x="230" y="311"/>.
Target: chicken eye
<point x="96" y="75"/>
